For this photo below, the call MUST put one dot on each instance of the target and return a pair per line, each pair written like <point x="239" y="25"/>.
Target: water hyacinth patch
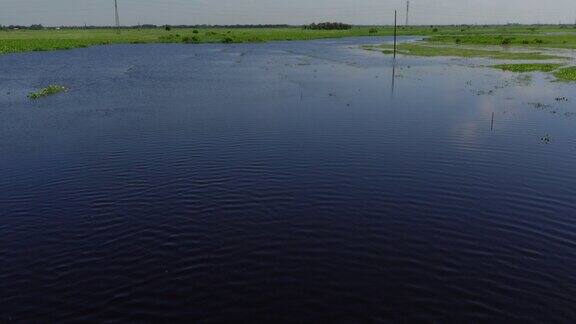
<point x="48" y="91"/>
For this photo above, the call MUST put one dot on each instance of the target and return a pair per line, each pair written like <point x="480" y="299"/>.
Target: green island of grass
<point x="528" y="67"/>
<point x="48" y="91"/>
<point x="566" y="39"/>
<point x="566" y="74"/>
<point x="422" y="49"/>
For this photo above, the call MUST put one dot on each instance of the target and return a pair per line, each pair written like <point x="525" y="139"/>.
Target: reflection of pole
<point x="395" y="33"/>
<point x="393" y="78"/>
<point x="117" y="17"/>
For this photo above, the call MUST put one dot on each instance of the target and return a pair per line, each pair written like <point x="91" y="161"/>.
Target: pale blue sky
<point x="100" y="12"/>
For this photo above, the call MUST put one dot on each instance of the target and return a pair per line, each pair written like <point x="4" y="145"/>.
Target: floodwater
<point x="288" y="181"/>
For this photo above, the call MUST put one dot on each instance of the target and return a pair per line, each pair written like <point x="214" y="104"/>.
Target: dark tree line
<point x="144" y="26"/>
<point x="328" y="26"/>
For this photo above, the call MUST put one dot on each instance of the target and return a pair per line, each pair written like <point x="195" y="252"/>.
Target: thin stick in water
<point x="492" y="124"/>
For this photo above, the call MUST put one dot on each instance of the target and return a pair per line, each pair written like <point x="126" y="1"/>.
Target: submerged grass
<point x="528" y="67"/>
<point x="48" y="91"/>
<point x="432" y="51"/>
<point x="566" y="74"/>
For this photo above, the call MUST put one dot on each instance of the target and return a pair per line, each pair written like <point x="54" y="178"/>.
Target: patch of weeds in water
<point x="456" y="51"/>
<point x="551" y="109"/>
<point x="547" y="139"/>
<point x="566" y="74"/>
<point x="528" y="67"/>
<point x="561" y="99"/>
<point x="483" y="92"/>
<point x="48" y="91"/>
<point x="539" y="105"/>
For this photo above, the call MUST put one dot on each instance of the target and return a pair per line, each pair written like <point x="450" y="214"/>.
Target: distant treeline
<point x="313" y="26"/>
<point x="328" y="26"/>
<point x="143" y="26"/>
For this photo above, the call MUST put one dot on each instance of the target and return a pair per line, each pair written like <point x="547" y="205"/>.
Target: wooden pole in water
<point x="492" y="124"/>
<point x="395" y="33"/>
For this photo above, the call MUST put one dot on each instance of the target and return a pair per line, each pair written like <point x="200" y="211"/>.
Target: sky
<point x="214" y="12"/>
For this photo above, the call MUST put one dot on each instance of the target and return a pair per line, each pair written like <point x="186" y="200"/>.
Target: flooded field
<point x="291" y="181"/>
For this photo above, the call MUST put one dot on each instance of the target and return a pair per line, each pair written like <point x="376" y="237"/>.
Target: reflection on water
<point x="236" y="183"/>
<point x="393" y="82"/>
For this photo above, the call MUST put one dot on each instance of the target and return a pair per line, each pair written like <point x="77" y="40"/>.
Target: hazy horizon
<point x="230" y="12"/>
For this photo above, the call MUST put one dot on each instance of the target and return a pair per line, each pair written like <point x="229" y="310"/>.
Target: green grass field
<point x="45" y="40"/>
<point x="12" y="41"/>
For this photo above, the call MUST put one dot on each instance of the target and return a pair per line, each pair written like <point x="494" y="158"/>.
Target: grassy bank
<point x="45" y="40"/>
<point x="12" y="41"/>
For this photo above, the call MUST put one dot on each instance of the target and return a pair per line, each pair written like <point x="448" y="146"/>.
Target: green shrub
<point x="191" y="39"/>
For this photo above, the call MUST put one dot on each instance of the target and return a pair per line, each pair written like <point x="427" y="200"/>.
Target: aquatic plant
<point x="528" y="67"/>
<point x="48" y="91"/>
<point x="423" y="49"/>
<point x="566" y="74"/>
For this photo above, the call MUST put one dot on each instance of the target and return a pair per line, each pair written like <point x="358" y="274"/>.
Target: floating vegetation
<point x="528" y="67"/>
<point x="483" y="92"/>
<point x="561" y="99"/>
<point x="425" y="50"/>
<point x="551" y="109"/>
<point x="546" y="139"/>
<point x="539" y="105"/>
<point x="566" y="74"/>
<point x="48" y="91"/>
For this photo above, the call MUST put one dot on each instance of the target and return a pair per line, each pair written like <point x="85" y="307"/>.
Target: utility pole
<point x="407" y="12"/>
<point x="395" y="33"/>
<point x="117" y="17"/>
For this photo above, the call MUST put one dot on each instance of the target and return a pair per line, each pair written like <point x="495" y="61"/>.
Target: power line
<point x="407" y="12"/>
<point x="117" y="17"/>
